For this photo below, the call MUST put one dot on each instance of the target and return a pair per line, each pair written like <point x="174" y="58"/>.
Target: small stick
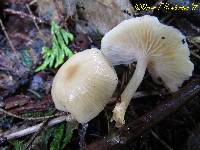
<point x="28" y="119"/>
<point x="4" y="31"/>
<point x="160" y="140"/>
<point x="42" y="127"/>
<point x="141" y="94"/>
<point x="131" y="131"/>
<point x="60" y="15"/>
<point x="31" y="140"/>
<point x="33" y="2"/>
<point x="35" y="128"/>
<point x="29" y="10"/>
<point x="23" y="15"/>
<point x="9" y="41"/>
<point x="36" y="25"/>
<point x="34" y="93"/>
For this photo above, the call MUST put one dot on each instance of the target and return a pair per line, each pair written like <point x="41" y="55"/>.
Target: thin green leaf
<point x="58" y="49"/>
<point x="52" y="61"/>
<point x="54" y="27"/>
<point x="58" y="133"/>
<point x="18" y="145"/>
<point x="44" y="65"/>
<point x="46" y="137"/>
<point x="67" y="35"/>
<point x="68" y="52"/>
<point x="46" y="52"/>
<point x="68" y="134"/>
<point x="62" y="45"/>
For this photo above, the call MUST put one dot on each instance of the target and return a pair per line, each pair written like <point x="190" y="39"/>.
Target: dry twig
<point x="30" y="118"/>
<point x="42" y="127"/>
<point x="36" y="25"/>
<point x="136" y="128"/>
<point x="23" y="15"/>
<point x="29" y="10"/>
<point x="9" y="41"/>
<point x="29" y="130"/>
<point x="160" y="140"/>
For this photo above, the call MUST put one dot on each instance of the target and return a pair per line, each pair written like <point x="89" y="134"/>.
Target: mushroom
<point x="161" y="49"/>
<point x="84" y="85"/>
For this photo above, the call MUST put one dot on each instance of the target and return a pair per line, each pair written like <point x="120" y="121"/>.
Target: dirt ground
<point x="155" y="120"/>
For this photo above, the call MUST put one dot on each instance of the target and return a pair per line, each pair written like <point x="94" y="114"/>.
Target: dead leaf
<point x="96" y="15"/>
<point x="16" y="101"/>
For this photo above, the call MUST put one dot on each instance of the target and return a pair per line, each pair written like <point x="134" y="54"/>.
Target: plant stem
<point x="32" y="129"/>
<point x="120" y="108"/>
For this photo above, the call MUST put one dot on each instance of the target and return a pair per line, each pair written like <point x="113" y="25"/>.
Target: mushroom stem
<point x="120" y="108"/>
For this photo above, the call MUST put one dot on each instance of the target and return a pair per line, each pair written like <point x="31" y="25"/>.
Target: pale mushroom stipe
<point x="84" y="85"/>
<point x="161" y="49"/>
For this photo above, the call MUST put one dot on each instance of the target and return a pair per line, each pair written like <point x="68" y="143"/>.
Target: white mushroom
<point x="84" y="85"/>
<point x="160" y="48"/>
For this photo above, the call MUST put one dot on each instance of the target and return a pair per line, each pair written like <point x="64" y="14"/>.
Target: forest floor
<point x="155" y="120"/>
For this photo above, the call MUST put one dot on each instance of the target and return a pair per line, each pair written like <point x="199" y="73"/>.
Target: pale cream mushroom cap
<point x="84" y="85"/>
<point x="164" y="46"/>
<point x="160" y="48"/>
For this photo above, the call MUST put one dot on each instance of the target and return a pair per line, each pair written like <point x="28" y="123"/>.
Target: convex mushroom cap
<point x="84" y="85"/>
<point x="161" y="49"/>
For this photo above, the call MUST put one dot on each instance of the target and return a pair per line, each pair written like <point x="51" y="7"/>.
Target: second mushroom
<point x="161" y="49"/>
<point x="84" y="85"/>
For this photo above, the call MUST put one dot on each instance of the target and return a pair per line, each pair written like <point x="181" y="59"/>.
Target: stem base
<point x="120" y="108"/>
<point x="118" y="114"/>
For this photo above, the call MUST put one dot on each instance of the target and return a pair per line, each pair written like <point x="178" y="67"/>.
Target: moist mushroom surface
<point x="84" y="85"/>
<point x="161" y="49"/>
